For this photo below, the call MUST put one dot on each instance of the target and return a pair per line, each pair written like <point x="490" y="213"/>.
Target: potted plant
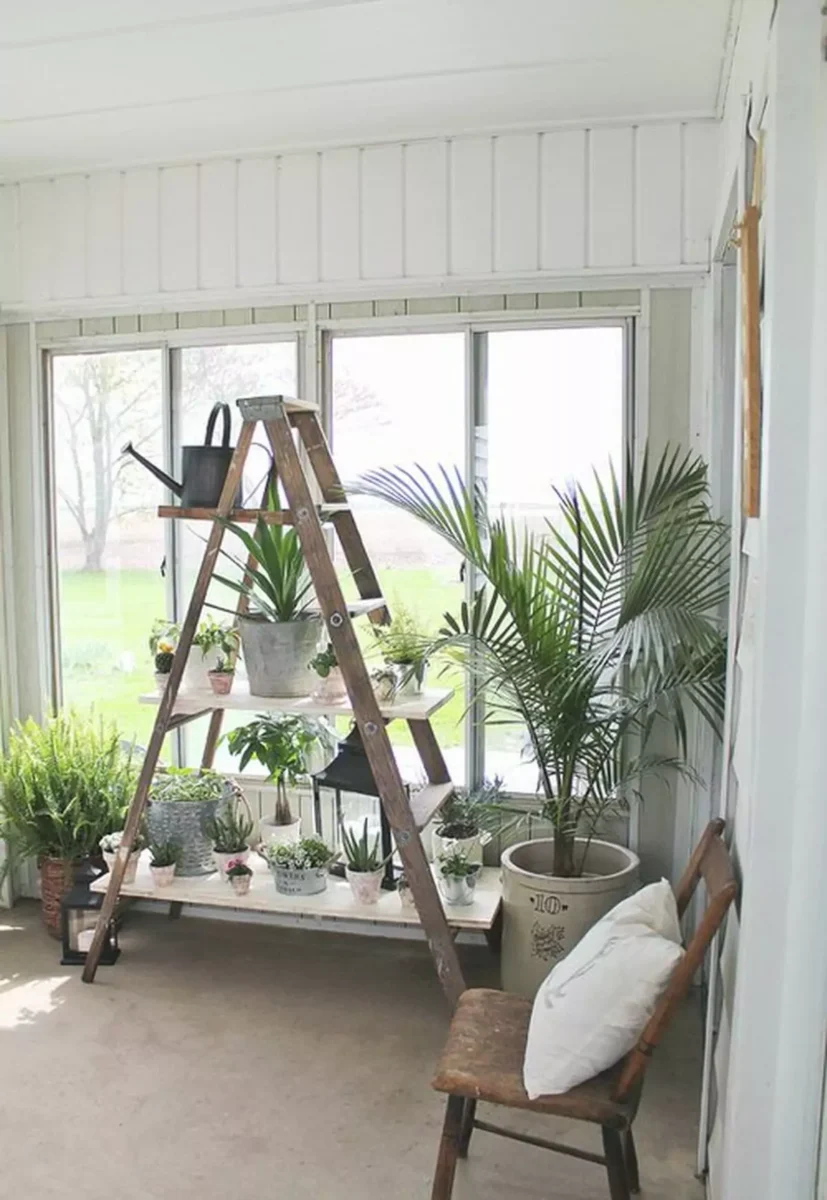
<point x="457" y="877"/>
<point x="364" y="865"/>
<point x="279" y="632"/>
<point x="63" y="785"/>
<point x="589" y="635"/>
<point x="283" y="745"/>
<point x="182" y="802"/>
<point x="331" y="686"/>
<point x="221" y="677"/>
<point x="300" y="868"/>
<point x="110" y="843"/>
<point x="230" y="835"/>
<point x="163" y="665"/>
<point x="462" y="822"/>
<point x="163" y="859"/>
<point x="405" y="894"/>
<point x="239" y="875"/>
<point x="404" y="647"/>
<point x="214" y="642"/>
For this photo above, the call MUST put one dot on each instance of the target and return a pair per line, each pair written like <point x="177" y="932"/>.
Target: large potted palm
<point x="589" y="635"/>
<point x="279" y="632"/>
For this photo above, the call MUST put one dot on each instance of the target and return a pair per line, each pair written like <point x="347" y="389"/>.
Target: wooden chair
<point x="483" y="1057"/>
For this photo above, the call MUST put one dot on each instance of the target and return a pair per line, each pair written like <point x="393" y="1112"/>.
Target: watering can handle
<point x="224" y="409"/>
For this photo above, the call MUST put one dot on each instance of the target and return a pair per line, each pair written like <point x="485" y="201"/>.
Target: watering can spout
<point x="177" y="488"/>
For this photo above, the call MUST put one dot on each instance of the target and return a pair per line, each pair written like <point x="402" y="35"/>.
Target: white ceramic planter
<point x="279" y="835"/>
<point x="545" y="915"/>
<point x="162" y="876"/>
<point x="331" y="689"/>
<point x="241" y="884"/>
<point x="406" y="897"/>
<point x="197" y="671"/>
<point x="472" y="847"/>
<point x="458" y="889"/>
<point x="306" y="882"/>
<point x="222" y="858"/>
<point x="161" y="683"/>
<point x="365" y="885"/>
<point x="131" y="866"/>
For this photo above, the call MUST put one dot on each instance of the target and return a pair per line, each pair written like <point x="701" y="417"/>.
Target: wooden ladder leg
<point x="446" y="1163"/>
<point x="392" y="791"/>
<point x="615" y="1164"/>
<point x="167" y="704"/>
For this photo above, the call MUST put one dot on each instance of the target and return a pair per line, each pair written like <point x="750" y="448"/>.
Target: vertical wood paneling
<point x="426" y="208"/>
<point x="339" y="251"/>
<point x="256" y="221"/>
<point x="611" y="192"/>
<point x="699" y="184"/>
<point x="658" y="194"/>
<point x="141" y="232"/>
<point x="36" y="234"/>
<point x="179" y="228"/>
<point x="10" y="283"/>
<point x="382" y="205"/>
<point x="298" y="218"/>
<point x="563" y="200"/>
<point x="103" y="234"/>
<point x="516" y="212"/>
<point x="217" y="224"/>
<point x="471" y="206"/>
<point x="69" y="244"/>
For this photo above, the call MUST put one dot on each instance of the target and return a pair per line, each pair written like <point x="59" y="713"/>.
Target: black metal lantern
<point x="79" y="911"/>
<point x="349" y="779"/>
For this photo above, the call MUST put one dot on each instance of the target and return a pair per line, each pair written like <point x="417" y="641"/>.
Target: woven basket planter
<point x="55" y="881"/>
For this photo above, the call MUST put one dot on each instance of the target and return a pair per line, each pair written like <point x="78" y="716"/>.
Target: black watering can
<point x="204" y="468"/>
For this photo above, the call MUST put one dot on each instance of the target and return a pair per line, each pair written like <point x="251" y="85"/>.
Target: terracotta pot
<point x="241" y="884"/>
<point x="55" y="881"/>
<point x="365" y="885"/>
<point x="221" y="682"/>
<point x="162" y="876"/>
<point x="545" y="915"/>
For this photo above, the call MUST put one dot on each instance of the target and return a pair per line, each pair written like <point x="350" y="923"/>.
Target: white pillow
<point x="592" y="1007"/>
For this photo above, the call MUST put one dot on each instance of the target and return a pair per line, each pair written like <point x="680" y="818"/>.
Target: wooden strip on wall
<point x="658" y="195"/>
<point x="611" y="189"/>
<point x="563" y="200"/>
<point x="141" y="231"/>
<point x="179" y="228"/>
<point x="10" y="282"/>
<point x="340" y="214"/>
<point x="69" y="245"/>
<point x="426" y="208"/>
<point x="36" y="238"/>
<point x="103" y="233"/>
<point x="382" y="226"/>
<point x="699" y="188"/>
<point x="256" y="221"/>
<point x="217" y="224"/>
<point x="298" y="218"/>
<point x="516" y="213"/>
<point x="471" y="249"/>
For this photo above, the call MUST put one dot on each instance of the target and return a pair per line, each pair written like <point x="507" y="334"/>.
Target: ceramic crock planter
<point x="277" y="654"/>
<point x="545" y="915"/>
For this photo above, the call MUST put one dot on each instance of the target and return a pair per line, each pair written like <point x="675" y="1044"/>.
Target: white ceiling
<point x="87" y="83"/>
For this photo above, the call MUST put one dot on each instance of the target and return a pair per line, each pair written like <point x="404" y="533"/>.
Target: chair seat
<point x="483" y="1060"/>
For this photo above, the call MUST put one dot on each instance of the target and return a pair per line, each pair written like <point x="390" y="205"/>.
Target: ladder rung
<point x="427" y="802"/>
<point x="243" y="515"/>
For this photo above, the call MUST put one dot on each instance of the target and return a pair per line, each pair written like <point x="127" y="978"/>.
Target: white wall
<point x="551" y="204"/>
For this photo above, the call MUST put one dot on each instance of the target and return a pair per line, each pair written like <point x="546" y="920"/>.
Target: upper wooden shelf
<point x="284" y="517"/>
<point x="408" y="708"/>
<point x="290" y="404"/>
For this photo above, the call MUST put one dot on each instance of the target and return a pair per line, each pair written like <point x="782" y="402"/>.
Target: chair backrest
<point x="712" y="863"/>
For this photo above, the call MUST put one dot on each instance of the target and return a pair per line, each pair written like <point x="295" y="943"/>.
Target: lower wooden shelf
<point x="336" y="903"/>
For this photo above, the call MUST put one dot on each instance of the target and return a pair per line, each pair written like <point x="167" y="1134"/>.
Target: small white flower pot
<point x="331" y="689"/>
<point x="278" y="835"/>
<point x="161" y="682"/>
<point x="365" y="885"/>
<point x="196" y="676"/>
<point x="222" y="858"/>
<point x="162" y="876"/>
<point x="458" y="889"/>
<point x="131" y="867"/>
<point x="405" y="894"/>
<point x="241" y="884"/>
<point x="472" y="847"/>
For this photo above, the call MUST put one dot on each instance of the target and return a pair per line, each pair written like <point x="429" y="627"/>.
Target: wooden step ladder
<point x="283" y="417"/>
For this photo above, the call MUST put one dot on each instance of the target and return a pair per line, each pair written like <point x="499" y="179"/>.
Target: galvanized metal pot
<point x="305" y="882"/>
<point x="458" y="889"/>
<point x="276" y="654"/>
<point x="544" y="915"/>
<point x="185" y="822"/>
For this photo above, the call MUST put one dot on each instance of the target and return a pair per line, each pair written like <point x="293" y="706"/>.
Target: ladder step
<point x="285" y="517"/>
<point x="427" y="802"/>
<point x="267" y="408"/>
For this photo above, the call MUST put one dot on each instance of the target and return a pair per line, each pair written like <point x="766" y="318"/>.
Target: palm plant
<point x="591" y="632"/>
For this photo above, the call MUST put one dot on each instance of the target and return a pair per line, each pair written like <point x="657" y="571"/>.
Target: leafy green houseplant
<point x="279" y="633"/>
<point x="182" y="802"/>
<point x="282" y="744"/>
<point x="457" y="877"/>
<point x="466" y="820"/>
<point x="331" y="684"/>
<point x="404" y="646"/>
<point x="63" y="785"/>
<point x="299" y="868"/>
<point x="598" y="636"/>
<point x="364" y="864"/>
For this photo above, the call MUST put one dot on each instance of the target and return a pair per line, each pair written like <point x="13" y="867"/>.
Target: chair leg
<point x="631" y="1161"/>
<point x="467" y="1128"/>
<point x="615" y="1164"/>
<point x="446" y="1163"/>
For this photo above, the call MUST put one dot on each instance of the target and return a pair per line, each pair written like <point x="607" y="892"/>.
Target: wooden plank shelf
<point x="409" y="708"/>
<point x="246" y="515"/>
<point x="336" y="903"/>
<point x="427" y="802"/>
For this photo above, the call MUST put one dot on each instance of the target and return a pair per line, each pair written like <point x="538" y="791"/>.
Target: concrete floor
<point x="231" y="1062"/>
